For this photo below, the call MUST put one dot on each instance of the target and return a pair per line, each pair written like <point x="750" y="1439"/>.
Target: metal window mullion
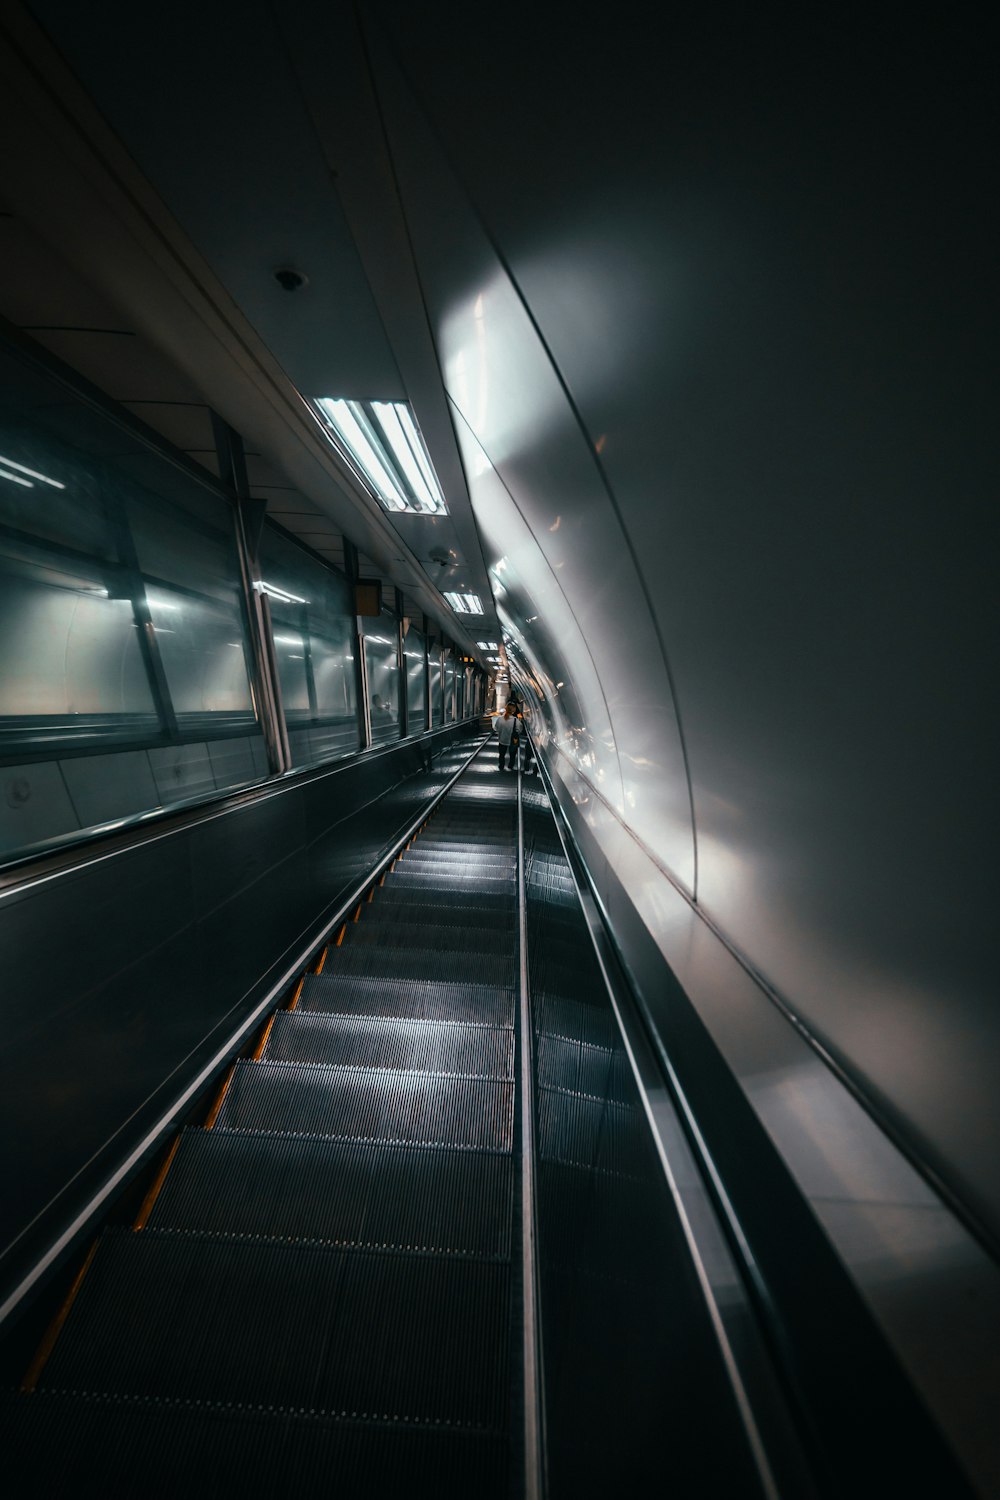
<point x="362" y="708"/>
<point x="128" y="566"/>
<point x="404" y="707"/>
<point x="263" y="663"/>
<point x="307" y="662"/>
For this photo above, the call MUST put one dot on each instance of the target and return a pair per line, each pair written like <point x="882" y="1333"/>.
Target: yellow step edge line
<point x="147" y="1203"/>
<point x="31" y="1379"/>
<point x="322" y="960"/>
<point x="298" y="992"/>
<point x="213" y="1114"/>
<point x="256" y="1054"/>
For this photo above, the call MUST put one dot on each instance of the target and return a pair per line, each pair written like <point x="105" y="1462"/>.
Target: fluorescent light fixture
<point x="31" y="473"/>
<point x="288" y="640"/>
<point x="487" y="645"/>
<point x="16" y="479"/>
<point x="381" y="442"/>
<point x="282" y="595"/>
<point x="464" y="604"/>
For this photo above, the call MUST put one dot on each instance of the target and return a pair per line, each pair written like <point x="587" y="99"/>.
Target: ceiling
<point x="234" y="149"/>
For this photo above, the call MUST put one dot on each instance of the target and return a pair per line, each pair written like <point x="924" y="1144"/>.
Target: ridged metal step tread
<point x="457" y="852"/>
<point x="593" y="1133"/>
<point x="92" y="1446"/>
<point x="599" y="1072"/>
<point x="438" y="842"/>
<point x="469" y="966"/>
<point x="366" y="1104"/>
<point x="419" y="999"/>
<point x="339" y="1192"/>
<point x="460" y="871"/>
<point x="435" y="898"/>
<point x="422" y="880"/>
<point x="495" y="914"/>
<point x="373" y="930"/>
<point x="356" y="1333"/>
<point x="391" y="1042"/>
<point x="562" y="1016"/>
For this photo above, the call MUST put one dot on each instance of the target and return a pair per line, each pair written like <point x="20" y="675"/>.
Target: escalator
<point x="330" y="1286"/>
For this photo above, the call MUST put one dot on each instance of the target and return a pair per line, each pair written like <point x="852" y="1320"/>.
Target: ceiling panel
<point x="220" y="128"/>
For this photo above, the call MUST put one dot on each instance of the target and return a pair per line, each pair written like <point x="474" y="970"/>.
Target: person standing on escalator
<point x="508" y="737"/>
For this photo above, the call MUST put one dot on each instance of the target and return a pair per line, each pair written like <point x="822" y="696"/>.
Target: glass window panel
<point x="201" y="647"/>
<point x="314" y="647"/>
<point x="94" y="525"/>
<point x="449" y="689"/>
<point x="71" y="654"/>
<point x="382" y="662"/>
<point x="437" y="697"/>
<point x="416" y="691"/>
<point x="195" y="552"/>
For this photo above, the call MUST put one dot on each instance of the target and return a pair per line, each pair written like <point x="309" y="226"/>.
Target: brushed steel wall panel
<point x="558" y="518"/>
<point x="762" y="274"/>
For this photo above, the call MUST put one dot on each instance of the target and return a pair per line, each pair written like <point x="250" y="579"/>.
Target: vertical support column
<point x="404" y="707"/>
<point x="249" y="522"/>
<point x="360" y="664"/>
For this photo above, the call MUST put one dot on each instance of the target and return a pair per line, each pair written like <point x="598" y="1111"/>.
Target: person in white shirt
<point x="507" y="735"/>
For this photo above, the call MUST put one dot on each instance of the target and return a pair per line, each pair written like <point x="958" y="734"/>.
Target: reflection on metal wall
<point x="741" y="432"/>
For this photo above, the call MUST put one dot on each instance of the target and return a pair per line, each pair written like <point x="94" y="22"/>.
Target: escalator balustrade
<point x="319" y="1293"/>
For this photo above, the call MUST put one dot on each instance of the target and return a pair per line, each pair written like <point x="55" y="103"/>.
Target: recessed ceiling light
<point x="487" y="645"/>
<point x="464" y="604"/>
<point x="381" y="442"/>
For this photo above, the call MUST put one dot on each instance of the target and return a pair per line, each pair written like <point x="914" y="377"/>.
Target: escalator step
<point x="471" y="966"/>
<point x="462" y="869"/>
<point x="560" y="1016"/>
<point x="89" y="1446"/>
<point x="357" y="1333"/>
<point x="437" y="900"/>
<point x="590" y="1133"/>
<point x="598" y="1072"/>
<point x="366" y="1195"/>
<point x="369" y="1105"/>
<point x="418" y="999"/>
<point x="492" y="915"/>
<point x="380" y="1042"/>
<point x="436" y="842"/>
<point x="375" y="930"/>
<point x="468" y="883"/>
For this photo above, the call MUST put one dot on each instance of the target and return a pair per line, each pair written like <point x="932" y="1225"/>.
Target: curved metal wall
<point x="711" y="318"/>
